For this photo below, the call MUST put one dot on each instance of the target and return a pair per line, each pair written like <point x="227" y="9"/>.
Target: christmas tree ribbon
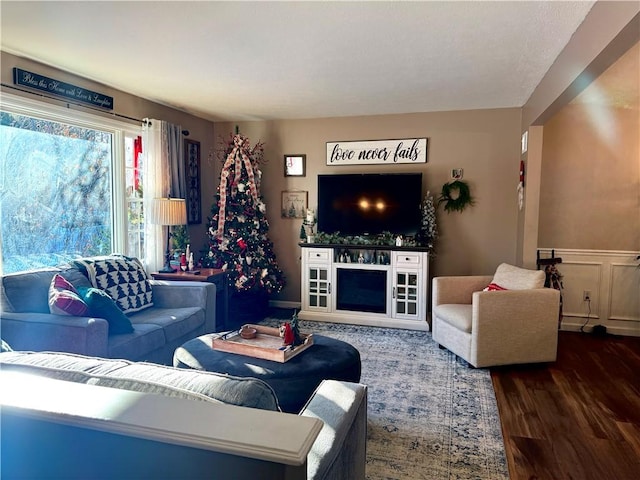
<point x="236" y="157"/>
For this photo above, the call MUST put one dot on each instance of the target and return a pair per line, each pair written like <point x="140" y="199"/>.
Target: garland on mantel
<point x="458" y="202"/>
<point x="383" y="239"/>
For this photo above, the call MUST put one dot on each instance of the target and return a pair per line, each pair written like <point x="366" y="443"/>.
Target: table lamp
<point x="169" y="212"/>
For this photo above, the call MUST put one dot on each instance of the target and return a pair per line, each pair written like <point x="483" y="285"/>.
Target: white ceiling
<point x="273" y="60"/>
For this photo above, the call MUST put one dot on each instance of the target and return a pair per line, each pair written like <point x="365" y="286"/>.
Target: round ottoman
<point x="293" y="381"/>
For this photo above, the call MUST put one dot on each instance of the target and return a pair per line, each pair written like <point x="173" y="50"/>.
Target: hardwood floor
<point x="577" y="418"/>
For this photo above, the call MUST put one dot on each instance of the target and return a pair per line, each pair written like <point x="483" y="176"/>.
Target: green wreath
<point x="460" y="202"/>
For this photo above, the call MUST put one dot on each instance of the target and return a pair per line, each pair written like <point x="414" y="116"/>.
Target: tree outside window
<point x="57" y="199"/>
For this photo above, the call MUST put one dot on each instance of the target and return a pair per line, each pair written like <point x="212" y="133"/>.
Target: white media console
<point x="378" y="286"/>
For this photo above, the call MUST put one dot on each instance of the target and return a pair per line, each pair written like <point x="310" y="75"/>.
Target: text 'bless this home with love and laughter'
<point x="406" y="150"/>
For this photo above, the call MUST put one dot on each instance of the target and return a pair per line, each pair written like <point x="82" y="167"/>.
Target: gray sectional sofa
<point x="202" y="424"/>
<point x="79" y="401"/>
<point x="179" y="311"/>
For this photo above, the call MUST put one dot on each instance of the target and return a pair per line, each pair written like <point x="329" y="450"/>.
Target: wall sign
<point x="61" y="89"/>
<point x="294" y="203"/>
<point x="406" y="150"/>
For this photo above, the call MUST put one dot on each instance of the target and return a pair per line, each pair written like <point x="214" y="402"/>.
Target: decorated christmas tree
<point x="238" y="241"/>
<point x="428" y="231"/>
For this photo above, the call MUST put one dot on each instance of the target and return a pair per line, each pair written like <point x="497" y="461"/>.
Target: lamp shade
<point x="168" y="211"/>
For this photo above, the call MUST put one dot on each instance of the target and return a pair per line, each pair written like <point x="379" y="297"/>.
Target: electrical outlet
<point x="586" y="296"/>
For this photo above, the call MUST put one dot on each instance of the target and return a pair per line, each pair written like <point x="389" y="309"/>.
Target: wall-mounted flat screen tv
<point x="369" y="203"/>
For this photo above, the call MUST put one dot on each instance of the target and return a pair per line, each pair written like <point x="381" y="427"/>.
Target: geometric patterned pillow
<point x="64" y="298"/>
<point x="123" y="278"/>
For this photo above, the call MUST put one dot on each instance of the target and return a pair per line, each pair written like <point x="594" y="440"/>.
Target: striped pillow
<point x="64" y="298"/>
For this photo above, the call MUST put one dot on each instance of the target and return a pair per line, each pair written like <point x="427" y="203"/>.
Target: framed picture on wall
<point x="294" y="203"/>
<point x="295" y="165"/>
<point x="192" y="174"/>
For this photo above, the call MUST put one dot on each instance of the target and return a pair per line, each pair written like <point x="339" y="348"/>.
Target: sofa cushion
<point x="242" y="391"/>
<point x="48" y="368"/>
<point x="101" y="305"/>
<point x="27" y="291"/>
<point x="62" y="361"/>
<point x="176" y="322"/>
<point x="144" y="377"/>
<point x="64" y="299"/>
<point x="123" y="278"/>
<point x="516" y="278"/>
<point x="455" y="314"/>
<point x="145" y="339"/>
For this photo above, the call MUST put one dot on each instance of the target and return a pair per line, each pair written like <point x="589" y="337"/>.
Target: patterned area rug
<point x="430" y="415"/>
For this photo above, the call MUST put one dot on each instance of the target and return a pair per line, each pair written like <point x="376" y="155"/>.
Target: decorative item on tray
<point x="290" y="331"/>
<point x="247" y="332"/>
<point x="278" y="344"/>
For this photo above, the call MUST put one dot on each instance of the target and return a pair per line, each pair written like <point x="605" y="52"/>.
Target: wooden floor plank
<point x="576" y="418"/>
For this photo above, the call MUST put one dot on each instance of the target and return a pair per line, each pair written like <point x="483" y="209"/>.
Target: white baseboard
<point x="572" y="326"/>
<point x="284" y="304"/>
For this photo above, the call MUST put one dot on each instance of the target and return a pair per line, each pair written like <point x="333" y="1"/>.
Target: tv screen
<point x="370" y="203"/>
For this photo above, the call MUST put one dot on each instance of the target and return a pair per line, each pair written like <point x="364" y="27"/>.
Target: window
<point x="69" y="186"/>
<point x="135" y="212"/>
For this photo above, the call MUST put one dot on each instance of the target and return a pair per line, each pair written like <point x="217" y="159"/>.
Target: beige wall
<point x="127" y="105"/>
<point x="484" y="143"/>
<point x="590" y="186"/>
<point x="609" y="30"/>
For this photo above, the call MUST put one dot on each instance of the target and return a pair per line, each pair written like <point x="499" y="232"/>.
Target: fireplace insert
<point x="361" y="290"/>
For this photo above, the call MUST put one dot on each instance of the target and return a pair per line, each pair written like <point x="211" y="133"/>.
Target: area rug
<point x="430" y="415"/>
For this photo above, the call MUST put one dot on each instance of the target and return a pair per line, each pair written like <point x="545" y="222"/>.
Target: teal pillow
<point x="101" y="305"/>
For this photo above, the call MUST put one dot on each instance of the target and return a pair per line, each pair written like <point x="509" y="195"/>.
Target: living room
<point x="486" y="144"/>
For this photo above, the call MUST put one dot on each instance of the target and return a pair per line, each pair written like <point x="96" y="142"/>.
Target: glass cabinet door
<point x="406" y="298"/>
<point x="319" y="287"/>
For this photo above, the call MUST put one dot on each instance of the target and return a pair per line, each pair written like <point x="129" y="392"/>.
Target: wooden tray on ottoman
<point x="266" y="345"/>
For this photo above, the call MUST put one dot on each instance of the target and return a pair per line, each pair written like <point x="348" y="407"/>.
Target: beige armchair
<point x="487" y="328"/>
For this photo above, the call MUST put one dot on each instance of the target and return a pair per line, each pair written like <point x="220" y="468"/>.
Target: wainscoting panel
<point x="624" y="287"/>
<point x="583" y="276"/>
<point x="613" y="280"/>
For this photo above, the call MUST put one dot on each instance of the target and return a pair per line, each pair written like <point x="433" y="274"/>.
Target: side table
<point x="212" y="275"/>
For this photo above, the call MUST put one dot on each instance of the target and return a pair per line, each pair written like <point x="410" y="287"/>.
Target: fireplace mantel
<point x="375" y="285"/>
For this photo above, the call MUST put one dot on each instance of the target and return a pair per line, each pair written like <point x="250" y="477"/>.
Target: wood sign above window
<point x="378" y="152"/>
<point x="61" y="89"/>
